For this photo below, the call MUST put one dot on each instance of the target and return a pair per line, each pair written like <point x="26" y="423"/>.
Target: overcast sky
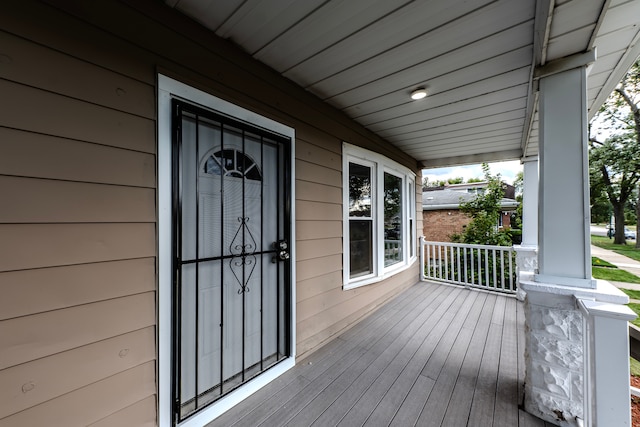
<point x="507" y="170"/>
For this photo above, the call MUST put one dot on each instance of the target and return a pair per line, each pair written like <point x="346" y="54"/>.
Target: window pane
<point x="360" y="248"/>
<point x="392" y="219"/>
<point x="359" y="190"/>
<point x="412" y="212"/>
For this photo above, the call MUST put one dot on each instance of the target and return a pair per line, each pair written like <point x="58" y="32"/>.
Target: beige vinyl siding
<point x="78" y="220"/>
<point x="353" y="305"/>
<point x="78" y="246"/>
<point x="93" y="362"/>
<point x="69" y="160"/>
<point x="140" y="414"/>
<point x="92" y="402"/>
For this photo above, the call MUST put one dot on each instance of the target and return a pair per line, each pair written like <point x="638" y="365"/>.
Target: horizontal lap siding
<point x="78" y="246"/>
<point x="78" y="177"/>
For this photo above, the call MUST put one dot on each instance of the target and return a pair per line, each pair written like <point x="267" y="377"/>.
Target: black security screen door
<point x="231" y="225"/>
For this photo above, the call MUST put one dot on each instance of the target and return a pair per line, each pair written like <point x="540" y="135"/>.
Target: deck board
<point x="436" y="355"/>
<point x="459" y="405"/>
<point x="435" y="409"/>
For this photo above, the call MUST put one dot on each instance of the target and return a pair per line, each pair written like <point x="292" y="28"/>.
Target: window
<point x="379" y="217"/>
<point x="360" y="220"/>
<point x="232" y="163"/>
<point x="393" y="234"/>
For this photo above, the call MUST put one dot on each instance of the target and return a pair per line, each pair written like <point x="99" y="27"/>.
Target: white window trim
<point x="167" y="90"/>
<point x="381" y="164"/>
<point x="411" y="215"/>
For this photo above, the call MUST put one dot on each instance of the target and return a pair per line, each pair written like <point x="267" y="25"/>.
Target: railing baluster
<point x="458" y="265"/>
<point x="501" y="269"/>
<point x="511" y="287"/>
<point x="439" y="262"/>
<point x="495" y="270"/>
<point x="479" y="267"/>
<point x="473" y="271"/>
<point x="453" y="265"/>
<point x="466" y="278"/>
<point x="446" y="263"/>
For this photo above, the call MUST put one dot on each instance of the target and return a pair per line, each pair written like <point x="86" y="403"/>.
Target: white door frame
<point x="168" y="89"/>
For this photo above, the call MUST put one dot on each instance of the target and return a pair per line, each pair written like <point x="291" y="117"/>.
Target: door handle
<point x="282" y="251"/>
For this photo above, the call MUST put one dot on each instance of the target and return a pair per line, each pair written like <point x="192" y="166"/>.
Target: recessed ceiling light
<point x="419" y="93"/>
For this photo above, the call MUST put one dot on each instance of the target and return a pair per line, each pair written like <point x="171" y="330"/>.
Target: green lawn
<point x="635" y="366"/>
<point x="627" y="250"/>
<point x="614" y="274"/>
<point x="632" y="293"/>
<point x="597" y="262"/>
<point x="635" y="307"/>
<point x="599" y="270"/>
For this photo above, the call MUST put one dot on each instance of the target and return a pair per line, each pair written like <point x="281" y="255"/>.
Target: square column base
<point x="557" y="350"/>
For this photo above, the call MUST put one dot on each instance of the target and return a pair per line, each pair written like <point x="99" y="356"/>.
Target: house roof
<point x="451" y="199"/>
<point x="479" y="61"/>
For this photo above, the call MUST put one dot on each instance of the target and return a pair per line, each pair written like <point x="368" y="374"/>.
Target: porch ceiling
<point x="476" y="59"/>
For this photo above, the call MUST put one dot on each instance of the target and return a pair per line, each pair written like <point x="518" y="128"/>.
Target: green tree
<point x="484" y="210"/>
<point x="516" y="216"/>
<point x="430" y="184"/>
<point x="614" y="165"/>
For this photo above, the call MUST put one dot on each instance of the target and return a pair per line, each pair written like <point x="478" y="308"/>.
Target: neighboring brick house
<point x="441" y="213"/>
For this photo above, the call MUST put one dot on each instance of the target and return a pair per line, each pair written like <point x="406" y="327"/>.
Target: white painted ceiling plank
<point x="570" y="43"/>
<point x="461" y="32"/>
<point x="473" y="159"/>
<point x="607" y="43"/>
<point x="502" y="142"/>
<point x="466" y="150"/>
<point x="511" y="78"/>
<point x="330" y="24"/>
<point x="606" y="63"/>
<point x="417" y="137"/>
<point x="463" y="77"/>
<point x="433" y="141"/>
<point x="401" y="124"/>
<point x="254" y="26"/>
<point x="509" y="116"/>
<point x="464" y="116"/>
<point x="210" y="13"/>
<point x="387" y="34"/>
<point x="619" y="17"/>
<point x="575" y="15"/>
<point x="422" y="74"/>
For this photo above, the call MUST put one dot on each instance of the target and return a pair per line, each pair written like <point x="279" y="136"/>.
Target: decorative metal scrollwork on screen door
<point x="243" y="248"/>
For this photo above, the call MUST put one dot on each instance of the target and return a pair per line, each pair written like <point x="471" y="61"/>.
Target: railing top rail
<point x="468" y="245"/>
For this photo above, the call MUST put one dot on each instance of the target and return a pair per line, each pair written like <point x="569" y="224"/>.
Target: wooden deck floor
<point x="436" y="355"/>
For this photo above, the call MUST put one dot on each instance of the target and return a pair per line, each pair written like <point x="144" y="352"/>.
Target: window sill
<point x="390" y="272"/>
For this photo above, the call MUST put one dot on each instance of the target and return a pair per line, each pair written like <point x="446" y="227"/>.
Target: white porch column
<point x="527" y="251"/>
<point x="563" y="237"/>
<point x="530" y="203"/>
<point x="560" y="385"/>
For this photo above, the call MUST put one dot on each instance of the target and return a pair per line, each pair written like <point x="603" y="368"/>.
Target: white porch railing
<point x="392" y="251"/>
<point x="479" y="266"/>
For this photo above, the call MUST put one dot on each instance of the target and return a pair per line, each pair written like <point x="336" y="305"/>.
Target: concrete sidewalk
<point x="620" y="261"/>
<point x="623" y="263"/>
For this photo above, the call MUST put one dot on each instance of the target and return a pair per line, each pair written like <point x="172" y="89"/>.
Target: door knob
<point x="282" y="251"/>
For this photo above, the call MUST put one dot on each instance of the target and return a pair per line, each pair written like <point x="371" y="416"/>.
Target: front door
<point x="231" y="228"/>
